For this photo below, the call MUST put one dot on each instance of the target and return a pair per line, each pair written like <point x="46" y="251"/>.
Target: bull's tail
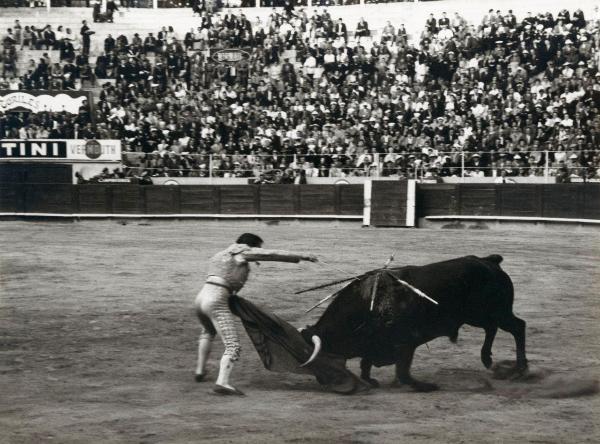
<point x="495" y="258"/>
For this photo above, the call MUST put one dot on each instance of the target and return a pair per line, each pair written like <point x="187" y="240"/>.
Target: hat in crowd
<point x="573" y="156"/>
<point x="568" y="42"/>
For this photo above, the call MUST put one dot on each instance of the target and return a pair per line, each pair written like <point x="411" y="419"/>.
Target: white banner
<point x="41" y="102"/>
<point x="61" y="150"/>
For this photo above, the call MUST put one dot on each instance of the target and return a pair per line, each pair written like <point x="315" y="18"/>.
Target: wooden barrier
<point x="591" y="202"/>
<point x="35" y="173"/>
<point x="11" y="198"/>
<point x="519" y="201"/>
<point x="436" y="199"/>
<point x="198" y="199"/>
<point x="54" y="198"/>
<point x="317" y="199"/>
<point x="93" y="199"/>
<point x="349" y="199"/>
<point x="388" y="203"/>
<point x="279" y="199"/>
<point x="227" y="200"/>
<point x="388" y="206"/>
<point x="238" y="199"/>
<point x="577" y="201"/>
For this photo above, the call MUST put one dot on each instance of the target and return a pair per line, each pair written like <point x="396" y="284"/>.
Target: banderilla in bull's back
<point x="383" y="315"/>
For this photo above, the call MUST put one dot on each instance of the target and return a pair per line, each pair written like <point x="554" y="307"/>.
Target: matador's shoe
<point x="226" y="391"/>
<point x="200" y="377"/>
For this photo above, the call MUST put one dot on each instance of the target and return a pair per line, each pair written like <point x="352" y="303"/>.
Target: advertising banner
<point x="37" y="101"/>
<point x="229" y="56"/>
<point x="66" y="150"/>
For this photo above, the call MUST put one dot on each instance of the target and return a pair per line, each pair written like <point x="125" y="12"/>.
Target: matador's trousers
<point x="212" y="307"/>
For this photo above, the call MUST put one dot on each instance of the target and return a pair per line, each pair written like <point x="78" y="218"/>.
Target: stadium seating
<point x="376" y="113"/>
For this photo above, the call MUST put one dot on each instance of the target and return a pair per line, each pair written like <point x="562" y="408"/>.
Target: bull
<point x="382" y="320"/>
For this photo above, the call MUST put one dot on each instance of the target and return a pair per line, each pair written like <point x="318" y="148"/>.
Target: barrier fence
<point x="572" y="201"/>
<point x="279" y="200"/>
<point x="387" y="199"/>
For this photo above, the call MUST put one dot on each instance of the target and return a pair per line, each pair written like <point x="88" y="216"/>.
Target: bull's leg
<point x="365" y="372"/>
<point x="516" y="327"/>
<point x="403" y="372"/>
<point x="486" y="349"/>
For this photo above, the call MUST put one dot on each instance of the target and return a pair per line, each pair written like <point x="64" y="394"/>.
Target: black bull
<point x="382" y="321"/>
<point x="469" y="290"/>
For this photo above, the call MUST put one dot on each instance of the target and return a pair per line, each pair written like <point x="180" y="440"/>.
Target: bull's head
<point x="351" y="323"/>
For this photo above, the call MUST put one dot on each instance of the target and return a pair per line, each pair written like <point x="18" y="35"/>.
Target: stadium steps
<point x="25" y="55"/>
<point x="127" y="23"/>
<point x="142" y="21"/>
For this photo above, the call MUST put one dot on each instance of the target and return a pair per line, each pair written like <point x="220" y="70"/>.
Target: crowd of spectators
<point x="312" y="95"/>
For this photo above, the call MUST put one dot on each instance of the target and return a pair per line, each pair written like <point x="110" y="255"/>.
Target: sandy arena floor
<point x="98" y="339"/>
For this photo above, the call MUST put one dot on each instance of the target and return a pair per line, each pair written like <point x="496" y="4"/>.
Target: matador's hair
<point x="252" y="240"/>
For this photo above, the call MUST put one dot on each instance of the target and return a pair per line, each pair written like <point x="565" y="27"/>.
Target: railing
<point x="564" y="165"/>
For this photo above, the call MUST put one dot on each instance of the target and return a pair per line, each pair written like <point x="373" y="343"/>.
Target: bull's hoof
<point x="508" y="370"/>
<point x="521" y="373"/>
<point x="487" y="361"/>
<point x="372" y="382"/>
<point x="523" y="366"/>
<point x="419" y="386"/>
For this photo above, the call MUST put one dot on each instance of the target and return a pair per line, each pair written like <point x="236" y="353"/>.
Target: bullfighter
<point x="227" y="273"/>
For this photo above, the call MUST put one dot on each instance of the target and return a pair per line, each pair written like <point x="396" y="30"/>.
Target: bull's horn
<point x="317" y="341"/>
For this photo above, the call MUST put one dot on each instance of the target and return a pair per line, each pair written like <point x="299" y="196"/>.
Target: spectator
<point x="86" y="33"/>
<point x="362" y="28"/>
